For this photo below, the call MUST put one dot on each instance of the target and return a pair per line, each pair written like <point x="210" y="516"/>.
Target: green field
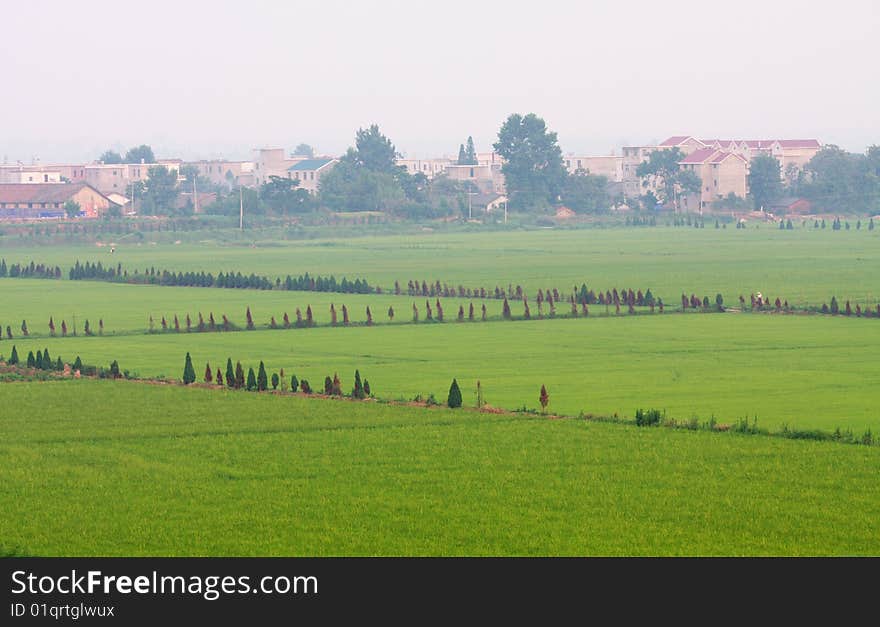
<point x="802" y="266"/>
<point x="806" y="371"/>
<point x="153" y="470"/>
<point x="123" y="468"/>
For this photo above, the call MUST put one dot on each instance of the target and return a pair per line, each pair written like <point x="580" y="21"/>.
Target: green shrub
<point x="648" y="418"/>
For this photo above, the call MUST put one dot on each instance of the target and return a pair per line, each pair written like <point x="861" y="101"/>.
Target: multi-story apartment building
<point x="721" y="173"/>
<point x="609" y="166"/>
<point x="707" y="157"/>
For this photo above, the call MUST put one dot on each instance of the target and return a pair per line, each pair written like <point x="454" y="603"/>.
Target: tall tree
<point x="586" y="193"/>
<point x="283" y="195"/>
<point x="140" y="154"/>
<point x="304" y="150"/>
<point x="251" y="380"/>
<point x="662" y="169"/>
<point x="533" y="166"/>
<point x="375" y="151"/>
<point x="358" y="390"/>
<point x="230" y="374"/>
<point x="189" y="373"/>
<point x="262" y="378"/>
<point x="467" y="156"/>
<point x="239" y="375"/>
<point x="765" y="180"/>
<point x="842" y="181"/>
<point x="161" y="191"/>
<point x="110" y="157"/>
<point x="454" y="398"/>
<point x="470" y="152"/>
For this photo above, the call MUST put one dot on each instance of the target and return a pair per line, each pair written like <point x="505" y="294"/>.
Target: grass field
<point x="154" y="470"/>
<point x="806" y="371"/>
<point x="803" y="266"/>
<point x="121" y="468"/>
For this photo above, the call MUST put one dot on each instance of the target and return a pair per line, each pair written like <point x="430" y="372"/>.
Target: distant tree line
<point x="98" y="272"/>
<point x="29" y="270"/>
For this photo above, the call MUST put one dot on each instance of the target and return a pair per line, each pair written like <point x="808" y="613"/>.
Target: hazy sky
<point x="216" y="79"/>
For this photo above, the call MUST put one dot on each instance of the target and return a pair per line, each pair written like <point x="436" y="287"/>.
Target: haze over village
<point x="722" y="166"/>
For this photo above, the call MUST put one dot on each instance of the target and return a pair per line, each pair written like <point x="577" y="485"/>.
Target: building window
<point x="472" y="173"/>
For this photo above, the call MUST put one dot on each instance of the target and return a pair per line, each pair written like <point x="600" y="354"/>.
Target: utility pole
<point x="195" y="195"/>
<point x="470" y="210"/>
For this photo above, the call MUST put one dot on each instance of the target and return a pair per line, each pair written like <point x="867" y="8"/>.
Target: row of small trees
<point x="29" y="271"/>
<point x="89" y="271"/>
<point x="694" y="302"/>
<point x="43" y="361"/>
<point x="848" y="310"/>
<point x="259" y="381"/>
<point x="53" y="329"/>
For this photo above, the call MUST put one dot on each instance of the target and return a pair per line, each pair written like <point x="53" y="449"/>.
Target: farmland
<point x="159" y="470"/>
<point x="804" y="265"/>
<point x="806" y="371"/>
<point x="123" y="468"/>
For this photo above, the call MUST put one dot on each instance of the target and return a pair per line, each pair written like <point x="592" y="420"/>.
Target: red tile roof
<point x="720" y="156"/>
<point x="709" y="155"/>
<point x="699" y="156"/>
<point x="676" y="140"/>
<point x="39" y="192"/>
<point x="799" y="143"/>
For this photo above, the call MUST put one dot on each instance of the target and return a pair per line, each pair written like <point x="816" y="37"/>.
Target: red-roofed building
<point x="721" y="173"/>
<point x="791" y="153"/>
<point x="633" y="186"/>
<point x="46" y="200"/>
<point x="685" y="143"/>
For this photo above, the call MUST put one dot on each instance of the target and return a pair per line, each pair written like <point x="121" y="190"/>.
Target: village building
<point x="309" y="172"/>
<point x="47" y="200"/>
<point x="222" y="172"/>
<point x="721" y="173"/>
<point x="609" y="166"/>
<point x="429" y="167"/>
<point x="29" y="174"/>
<point x="269" y="162"/>
<point x="485" y="178"/>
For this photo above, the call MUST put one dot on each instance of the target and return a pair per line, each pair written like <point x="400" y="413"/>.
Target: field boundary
<point x="10" y="374"/>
